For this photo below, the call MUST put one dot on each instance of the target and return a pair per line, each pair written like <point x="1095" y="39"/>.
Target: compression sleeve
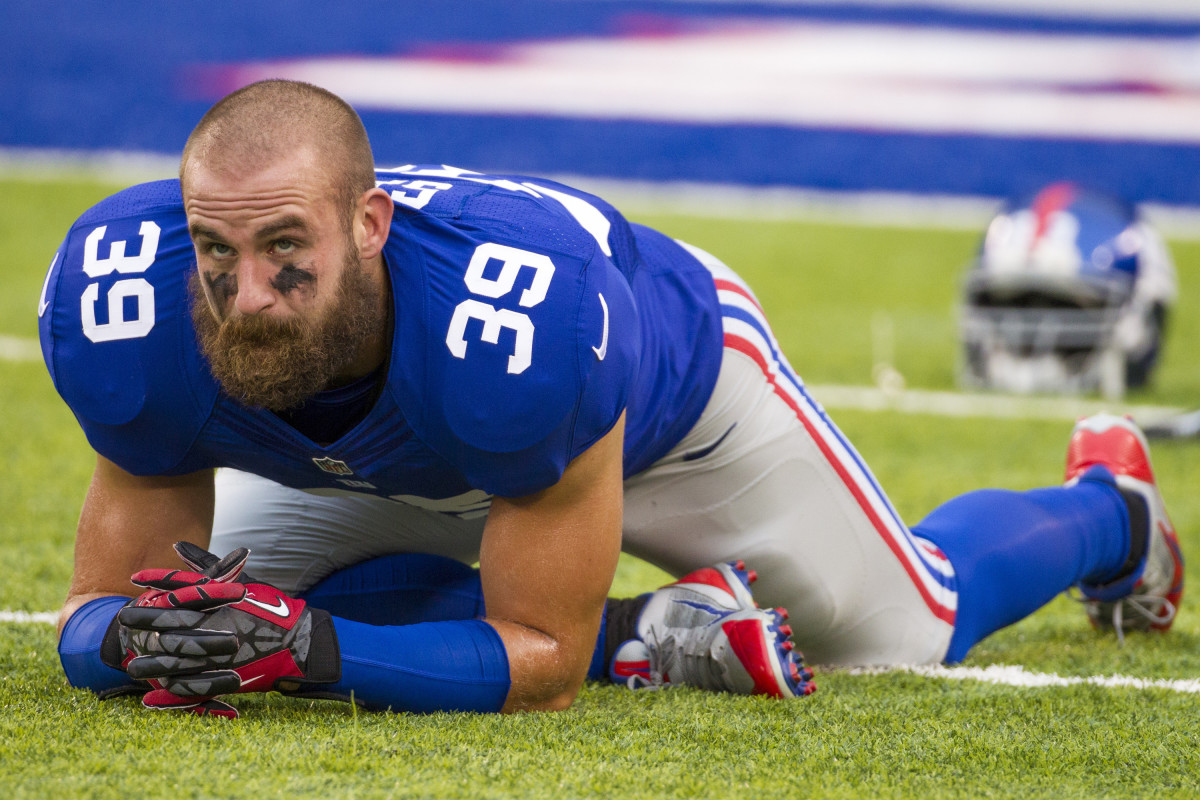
<point x="79" y="647"/>
<point x="431" y="666"/>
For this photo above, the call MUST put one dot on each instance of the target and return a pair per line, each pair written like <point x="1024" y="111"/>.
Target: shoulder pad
<point x="116" y="329"/>
<point x="496" y="350"/>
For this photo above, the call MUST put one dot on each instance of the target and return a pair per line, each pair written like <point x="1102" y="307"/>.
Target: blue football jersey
<point x="528" y="316"/>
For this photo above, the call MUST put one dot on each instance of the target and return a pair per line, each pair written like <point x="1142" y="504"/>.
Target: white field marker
<point x="19" y="348"/>
<point x="29" y="617"/>
<point x="1018" y="676"/>
<point x="1004" y="675"/>
<point x="891" y="396"/>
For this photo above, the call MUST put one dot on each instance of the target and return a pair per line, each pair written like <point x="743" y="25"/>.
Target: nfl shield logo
<point x="333" y="466"/>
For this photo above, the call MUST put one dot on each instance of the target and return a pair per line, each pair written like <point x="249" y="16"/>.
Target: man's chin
<point x="270" y="395"/>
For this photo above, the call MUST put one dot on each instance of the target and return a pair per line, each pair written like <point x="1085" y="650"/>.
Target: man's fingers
<point x="182" y="588"/>
<point x="196" y="556"/>
<point x="167" y="579"/>
<point x="204" y="684"/>
<point x="207" y="596"/>
<point x="193" y="598"/>
<point x="162" y="700"/>
<point x="228" y="568"/>
<point x="145" y="668"/>
<point x="197" y="643"/>
<point x="159" y="619"/>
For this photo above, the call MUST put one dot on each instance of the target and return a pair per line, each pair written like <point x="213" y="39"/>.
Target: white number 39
<point x="512" y="260"/>
<point x="118" y="327"/>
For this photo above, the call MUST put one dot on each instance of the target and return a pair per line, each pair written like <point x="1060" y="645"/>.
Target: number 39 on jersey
<point x="512" y="259"/>
<point x="130" y="300"/>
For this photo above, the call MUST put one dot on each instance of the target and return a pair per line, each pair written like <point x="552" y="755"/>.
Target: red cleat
<point x="1148" y="597"/>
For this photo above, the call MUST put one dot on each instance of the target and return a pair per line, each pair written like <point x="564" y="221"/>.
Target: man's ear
<point x="372" y="221"/>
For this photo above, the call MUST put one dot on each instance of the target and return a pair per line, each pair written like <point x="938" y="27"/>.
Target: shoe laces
<point x="654" y="646"/>
<point x="682" y="660"/>
<point x="1154" y="609"/>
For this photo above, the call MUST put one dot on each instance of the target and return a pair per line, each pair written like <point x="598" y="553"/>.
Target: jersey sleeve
<point x="530" y="348"/>
<point x="116" y="334"/>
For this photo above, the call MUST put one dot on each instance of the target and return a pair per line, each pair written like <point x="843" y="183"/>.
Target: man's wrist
<point x="80" y="644"/>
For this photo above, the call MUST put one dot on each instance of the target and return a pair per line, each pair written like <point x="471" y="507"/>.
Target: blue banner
<point x="821" y="95"/>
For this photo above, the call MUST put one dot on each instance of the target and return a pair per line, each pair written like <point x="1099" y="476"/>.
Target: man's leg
<point x="1014" y="551"/>
<point x="1106" y="531"/>
<point x="785" y="490"/>
<point x="387" y="564"/>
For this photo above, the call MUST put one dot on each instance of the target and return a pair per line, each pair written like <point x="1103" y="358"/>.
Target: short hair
<point x="264" y="120"/>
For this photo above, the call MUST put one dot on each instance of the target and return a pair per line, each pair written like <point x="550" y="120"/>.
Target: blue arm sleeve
<point x="79" y="647"/>
<point x="431" y="666"/>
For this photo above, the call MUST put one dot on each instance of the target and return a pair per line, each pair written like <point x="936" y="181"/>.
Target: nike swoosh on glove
<point x="195" y="636"/>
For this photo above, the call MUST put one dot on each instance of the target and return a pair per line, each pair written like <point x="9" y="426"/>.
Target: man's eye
<point x="284" y="246"/>
<point x="220" y="250"/>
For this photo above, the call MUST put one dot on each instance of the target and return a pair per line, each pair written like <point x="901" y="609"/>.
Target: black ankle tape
<point x="620" y="623"/>
<point x="1139" y="531"/>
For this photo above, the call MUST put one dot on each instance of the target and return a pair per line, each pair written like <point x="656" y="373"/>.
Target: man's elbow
<point x="546" y="674"/>
<point x="551" y="699"/>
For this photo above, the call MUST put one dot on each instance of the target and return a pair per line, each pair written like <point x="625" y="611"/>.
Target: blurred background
<point x="918" y="113"/>
<point x="933" y="98"/>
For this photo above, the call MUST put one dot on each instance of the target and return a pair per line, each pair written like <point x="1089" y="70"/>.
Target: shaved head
<point x="266" y="122"/>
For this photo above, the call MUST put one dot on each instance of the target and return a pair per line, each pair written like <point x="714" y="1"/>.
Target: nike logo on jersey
<point x="280" y="610"/>
<point x="602" y="350"/>
<point x="42" y="304"/>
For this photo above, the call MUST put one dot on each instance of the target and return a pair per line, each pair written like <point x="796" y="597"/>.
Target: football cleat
<point x="1148" y="597"/>
<point x="706" y="631"/>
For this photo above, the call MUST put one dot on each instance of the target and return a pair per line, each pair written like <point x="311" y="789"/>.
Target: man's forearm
<point x="81" y="638"/>
<point x="431" y="666"/>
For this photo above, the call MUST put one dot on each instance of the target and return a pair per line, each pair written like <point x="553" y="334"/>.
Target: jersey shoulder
<point x="540" y="212"/>
<point x="516" y="337"/>
<point x="115" y="329"/>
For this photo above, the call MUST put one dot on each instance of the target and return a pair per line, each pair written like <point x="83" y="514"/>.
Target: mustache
<point x="258" y="330"/>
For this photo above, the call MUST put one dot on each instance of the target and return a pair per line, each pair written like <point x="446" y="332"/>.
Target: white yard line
<point x="1019" y="677"/>
<point x="868" y="398"/>
<point x="967" y="404"/>
<point x="29" y="617"/>
<point x="997" y="673"/>
<point x="18" y="348"/>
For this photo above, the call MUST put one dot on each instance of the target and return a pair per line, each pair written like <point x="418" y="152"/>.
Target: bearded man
<point x="371" y="380"/>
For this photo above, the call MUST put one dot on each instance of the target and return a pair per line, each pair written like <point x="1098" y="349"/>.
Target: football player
<point x="351" y="384"/>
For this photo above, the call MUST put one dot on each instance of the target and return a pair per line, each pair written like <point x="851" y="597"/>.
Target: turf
<point x="894" y="735"/>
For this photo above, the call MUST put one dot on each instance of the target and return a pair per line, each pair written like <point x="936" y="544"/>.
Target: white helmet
<point x="1069" y="294"/>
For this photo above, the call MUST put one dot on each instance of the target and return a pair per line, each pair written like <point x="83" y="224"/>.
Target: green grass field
<point x="889" y="735"/>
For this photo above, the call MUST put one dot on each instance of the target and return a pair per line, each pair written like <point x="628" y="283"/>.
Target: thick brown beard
<point x="278" y="364"/>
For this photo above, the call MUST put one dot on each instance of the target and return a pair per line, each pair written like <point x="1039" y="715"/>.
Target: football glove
<point x="194" y="636"/>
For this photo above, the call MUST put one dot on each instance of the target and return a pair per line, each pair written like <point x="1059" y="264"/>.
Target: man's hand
<point x="197" y="635"/>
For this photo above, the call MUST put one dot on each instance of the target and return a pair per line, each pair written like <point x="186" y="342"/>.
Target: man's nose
<point x="255" y="293"/>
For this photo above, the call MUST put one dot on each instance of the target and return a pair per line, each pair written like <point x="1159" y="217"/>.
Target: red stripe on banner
<point x="745" y="346"/>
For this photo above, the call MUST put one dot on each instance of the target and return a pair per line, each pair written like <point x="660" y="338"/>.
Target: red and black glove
<point x="197" y="635"/>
